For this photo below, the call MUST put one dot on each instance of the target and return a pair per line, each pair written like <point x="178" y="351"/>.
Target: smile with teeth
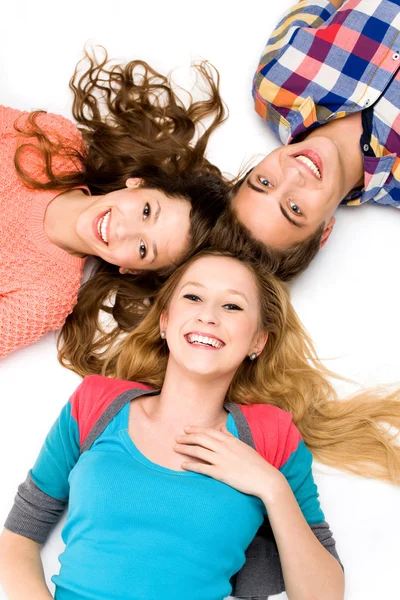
<point x="309" y="163"/>
<point x="195" y="338"/>
<point x="102" y="226"/>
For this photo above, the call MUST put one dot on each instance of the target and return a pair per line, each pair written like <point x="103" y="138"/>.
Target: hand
<point x="227" y="459"/>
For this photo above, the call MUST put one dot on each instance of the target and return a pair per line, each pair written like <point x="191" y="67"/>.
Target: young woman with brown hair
<point x="129" y="184"/>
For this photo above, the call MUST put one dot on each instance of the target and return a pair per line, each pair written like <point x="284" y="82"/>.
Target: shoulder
<point x="52" y="124"/>
<point x="275" y="435"/>
<point x="12" y="120"/>
<point x="92" y="398"/>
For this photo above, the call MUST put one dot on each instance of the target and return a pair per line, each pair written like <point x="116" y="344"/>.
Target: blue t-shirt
<point x="138" y="531"/>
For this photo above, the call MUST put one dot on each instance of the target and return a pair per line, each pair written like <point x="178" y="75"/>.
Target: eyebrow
<point x="282" y="209"/>
<point x="230" y="291"/>
<point x="155" y="252"/>
<point x="157" y="213"/>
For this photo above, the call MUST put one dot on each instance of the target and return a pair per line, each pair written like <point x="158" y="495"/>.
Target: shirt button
<point x="396" y="56"/>
<point x="366" y="103"/>
<point x="365" y="147"/>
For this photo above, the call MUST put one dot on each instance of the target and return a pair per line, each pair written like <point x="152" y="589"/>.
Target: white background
<point x="347" y="299"/>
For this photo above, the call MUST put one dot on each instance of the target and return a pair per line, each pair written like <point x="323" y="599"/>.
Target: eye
<point x="146" y="211"/>
<point x="264" y="182"/>
<point x="192" y="297"/>
<point x="294" y="208"/>
<point x="142" y="250"/>
<point x="232" y="307"/>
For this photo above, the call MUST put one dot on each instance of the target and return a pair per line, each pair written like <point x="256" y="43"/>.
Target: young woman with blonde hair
<point x="184" y="476"/>
<point x="129" y="184"/>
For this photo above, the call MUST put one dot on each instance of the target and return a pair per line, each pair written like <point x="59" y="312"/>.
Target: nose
<point x="293" y="176"/>
<point x="207" y="315"/>
<point x="125" y="230"/>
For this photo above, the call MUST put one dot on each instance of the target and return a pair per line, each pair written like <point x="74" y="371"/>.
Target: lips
<point x="101" y="227"/>
<point x="204" y="340"/>
<point x="312" y="161"/>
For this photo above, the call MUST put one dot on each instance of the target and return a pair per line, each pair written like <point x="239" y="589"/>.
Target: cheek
<point x="241" y="336"/>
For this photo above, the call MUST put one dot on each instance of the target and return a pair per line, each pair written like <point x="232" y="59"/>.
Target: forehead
<point x="221" y="273"/>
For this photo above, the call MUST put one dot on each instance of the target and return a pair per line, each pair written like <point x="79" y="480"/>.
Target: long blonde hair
<point x="348" y="434"/>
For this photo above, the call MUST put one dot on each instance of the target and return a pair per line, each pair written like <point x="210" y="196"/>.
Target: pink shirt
<point x="39" y="282"/>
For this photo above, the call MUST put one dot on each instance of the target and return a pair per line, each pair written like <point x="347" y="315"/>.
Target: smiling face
<point x="136" y="228"/>
<point x="292" y="191"/>
<point x="212" y="322"/>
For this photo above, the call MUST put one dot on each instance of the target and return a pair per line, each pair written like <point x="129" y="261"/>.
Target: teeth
<point x="201" y="339"/>
<point x="307" y="161"/>
<point x="102" y="226"/>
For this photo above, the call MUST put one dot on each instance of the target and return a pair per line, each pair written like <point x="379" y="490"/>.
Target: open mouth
<point x="200" y="340"/>
<point x="102" y="227"/>
<point x="312" y="162"/>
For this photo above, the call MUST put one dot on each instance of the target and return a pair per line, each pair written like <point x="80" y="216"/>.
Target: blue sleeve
<point x="43" y="496"/>
<point x="297" y="471"/>
<point x="58" y="456"/>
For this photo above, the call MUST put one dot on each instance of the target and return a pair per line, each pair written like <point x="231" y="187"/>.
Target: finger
<point x="196" y="452"/>
<point x="215" y="433"/>
<point x="201" y="468"/>
<point x="199" y="439"/>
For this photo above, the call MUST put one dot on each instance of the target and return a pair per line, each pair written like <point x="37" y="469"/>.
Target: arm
<point x="309" y="570"/>
<point x="20" y="555"/>
<point x="305" y="544"/>
<point x="38" y="505"/>
<point x="24" y="319"/>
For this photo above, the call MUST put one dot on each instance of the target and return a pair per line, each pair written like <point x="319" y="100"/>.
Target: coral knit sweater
<point x="39" y="282"/>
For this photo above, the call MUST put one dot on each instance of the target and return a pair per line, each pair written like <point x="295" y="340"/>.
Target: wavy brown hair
<point x="134" y="124"/>
<point x="110" y="307"/>
<point x="350" y="434"/>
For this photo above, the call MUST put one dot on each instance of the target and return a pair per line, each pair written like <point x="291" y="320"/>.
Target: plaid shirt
<point x="321" y="64"/>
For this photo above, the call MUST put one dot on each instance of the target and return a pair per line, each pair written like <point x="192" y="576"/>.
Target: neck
<point x="60" y="221"/>
<point x="186" y="400"/>
<point x="345" y="133"/>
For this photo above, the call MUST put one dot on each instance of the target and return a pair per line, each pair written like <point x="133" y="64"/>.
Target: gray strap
<point x="241" y="423"/>
<point x="34" y="513"/>
<point x="110" y="413"/>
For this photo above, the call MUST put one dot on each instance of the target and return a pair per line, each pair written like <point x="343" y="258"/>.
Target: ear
<point x="327" y="232"/>
<point x="133" y="182"/>
<point x="124" y="271"/>
<point x="163" y="321"/>
<point x="258" y="343"/>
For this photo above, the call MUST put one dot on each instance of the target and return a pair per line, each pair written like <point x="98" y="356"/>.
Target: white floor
<point x="348" y="299"/>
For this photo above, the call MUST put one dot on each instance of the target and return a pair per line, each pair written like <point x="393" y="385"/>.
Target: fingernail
<point x="187" y="428"/>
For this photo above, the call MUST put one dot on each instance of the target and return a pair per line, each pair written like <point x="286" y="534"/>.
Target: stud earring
<point x="253" y="356"/>
<point x="163" y="334"/>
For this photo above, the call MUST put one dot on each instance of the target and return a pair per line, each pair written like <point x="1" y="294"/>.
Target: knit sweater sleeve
<point x="8" y="116"/>
<point x="25" y="317"/>
<point x="36" y="292"/>
<point x="42" y="497"/>
<point x="67" y="141"/>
